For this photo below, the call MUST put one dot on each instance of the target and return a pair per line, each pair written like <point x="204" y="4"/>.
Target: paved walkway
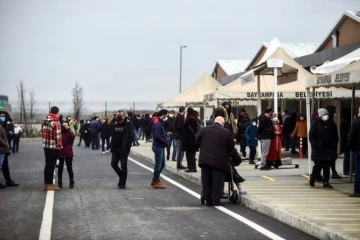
<point x="285" y="195"/>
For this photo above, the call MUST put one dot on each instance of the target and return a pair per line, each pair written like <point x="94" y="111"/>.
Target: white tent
<point x="194" y="95"/>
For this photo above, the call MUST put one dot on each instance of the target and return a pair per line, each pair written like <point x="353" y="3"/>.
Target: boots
<point x="71" y="184"/>
<point x="327" y="185"/>
<point x="251" y="162"/>
<point x="158" y="184"/>
<point x="335" y="176"/>
<point x="59" y="183"/>
<point x="152" y="182"/>
<point x="52" y="187"/>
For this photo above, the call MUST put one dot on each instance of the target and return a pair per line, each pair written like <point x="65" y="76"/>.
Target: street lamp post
<point x="181" y="47"/>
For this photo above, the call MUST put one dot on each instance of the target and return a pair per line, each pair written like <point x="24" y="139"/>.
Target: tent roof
<point x="231" y="67"/>
<point x="195" y="93"/>
<point x="331" y="66"/>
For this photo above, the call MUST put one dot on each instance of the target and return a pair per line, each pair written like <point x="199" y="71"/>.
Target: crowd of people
<point x="175" y="135"/>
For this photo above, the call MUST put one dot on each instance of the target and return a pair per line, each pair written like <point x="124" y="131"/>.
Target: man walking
<point x="52" y="143"/>
<point x="122" y="136"/>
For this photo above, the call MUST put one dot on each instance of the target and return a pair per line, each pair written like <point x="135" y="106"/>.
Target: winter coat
<point x="105" y="130"/>
<point x="324" y="138"/>
<point x="354" y="136"/>
<point x="179" y="123"/>
<point x="4" y="145"/>
<point x="300" y="129"/>
<point x="216" y="144"/>
<point x="289" y="122"/>
<point x="122" y="135"/>
<point x="51" y="132"/>
<point x="68" y="138"/>
<point x="274" y="153"/>
<point x="169" y="125"/>
<point x="189" y="135"/>
<point x="265" y="129"/>
<point x="241" y="127"/>
<point x="158" y="133"/>
<point x="251" y="137"/>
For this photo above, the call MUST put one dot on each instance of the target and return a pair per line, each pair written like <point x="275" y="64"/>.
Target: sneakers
<point x="51" y="187"/>
<point x="11" y="183"/>
<point x="158" y="184"/>
<point x="103" y="152"/>
<point x="190" y="170"/>
<point x="71" y="184"/>
<point x="251" y="162"/>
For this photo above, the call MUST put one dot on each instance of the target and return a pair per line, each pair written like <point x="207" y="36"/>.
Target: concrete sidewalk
<point x="285" y="195"/>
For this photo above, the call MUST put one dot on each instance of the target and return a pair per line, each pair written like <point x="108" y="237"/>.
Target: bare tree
<point x="77" y="93"/>
<point x="22" y="102"/>
<point x="32" y="104"/>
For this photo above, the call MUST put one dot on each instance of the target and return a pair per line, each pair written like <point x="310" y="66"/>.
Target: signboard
<point x="339" y="78"/>
<point x="274" y="63"/>
<point x="2" y="105"/>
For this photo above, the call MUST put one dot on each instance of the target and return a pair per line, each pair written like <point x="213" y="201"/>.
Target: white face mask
<point x="302" y="118"/>
<point x="253" y="123"/>
<point x="171" y="115"/>
<point x="325" y="117"/>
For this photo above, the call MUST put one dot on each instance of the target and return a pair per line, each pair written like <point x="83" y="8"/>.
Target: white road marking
<point x="46" y="224"/>
<point x="246" y="221"/>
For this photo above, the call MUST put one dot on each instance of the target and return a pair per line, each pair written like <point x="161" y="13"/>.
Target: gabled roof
<point x="353" y="14"/>
<point x="293" y="49"/>
<point x="231" y="67"/>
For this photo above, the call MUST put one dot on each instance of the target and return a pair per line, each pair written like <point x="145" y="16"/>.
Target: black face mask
<point x="119" y="118"/>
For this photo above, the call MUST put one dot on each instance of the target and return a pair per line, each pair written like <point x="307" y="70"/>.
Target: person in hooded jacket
<point x="87" y="133"/>
<point x="122" y="136"/>
<point x="242" y="124"/>
<point x="324" y="138"/>
<point x="159" y="143"/>
<point x="251" y="138"/>
<point x="300" y="131"/>
<point x="332" y="113"/>
<point x="66" y="154"/>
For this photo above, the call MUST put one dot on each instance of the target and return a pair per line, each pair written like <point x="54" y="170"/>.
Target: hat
<point x="225" y="103"/>
<point x="322" y="112"/>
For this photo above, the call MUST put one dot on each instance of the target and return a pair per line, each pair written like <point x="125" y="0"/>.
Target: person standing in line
<point x="73" y="125"/>
<point x="251" y="137"/>
<point x="52" y="143"/>
<point x="10" y="134"/>
<point x="287" y="130"/>
<point x="141" y="130"/>
<point x="122" y="136"/>
<point x="17" y="134"/>
<point x="159" y="143"/>
<point x="300" y="131"/>
<point x="179" y="123"/>
<point x="105" y="132"/>
<point x="147" y="127"/>
<point x="95" y="128"/>
<point x="136" y="124"/>
<point x="229" y="118"/>
<point x="216" y="144"/>
<point x="188" y="139"/>
<point x="87" y="134"/>
<point x="242" y="124"/>
<point x="324" y="138"/>
<point x="169" y="126"/>
<point x="4" y="147"/>
<point x="332" y="114"/>
<point x="354" y="146"/>
<point x="81" y="132"/>
<point x="344" y="132"/>
<point x="274" y="155"/>
<point x="265" y="133"/>
<point x="66" y="154"/>
<point x="4" y="119"/>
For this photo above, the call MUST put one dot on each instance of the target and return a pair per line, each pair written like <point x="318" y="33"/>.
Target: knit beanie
<point x="322" y="112"/>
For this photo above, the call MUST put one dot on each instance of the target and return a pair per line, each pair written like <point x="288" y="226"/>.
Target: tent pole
<point x="351" y="121"/>
<point x="308" y="122"/>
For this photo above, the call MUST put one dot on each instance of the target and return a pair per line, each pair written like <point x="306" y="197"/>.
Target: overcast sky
<point x="130" y="50"/>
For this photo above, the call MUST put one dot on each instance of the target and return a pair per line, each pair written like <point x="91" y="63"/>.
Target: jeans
<point x="95" y="140"/>
<point x="136" y="137"/>
<point x="50" y="162"/>
<point x="68" y="161"/>
<point x="159" y="161"/>
<point x="2" y="156"/>
<point x="121" y="156"/>
<point x="357" y="172"/>
<point x="179" y="153"/>
<point x="171" y="141"/>
<point x="265" y="146"/>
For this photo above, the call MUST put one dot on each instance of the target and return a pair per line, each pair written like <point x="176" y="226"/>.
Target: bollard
<point x="301" y="148"/>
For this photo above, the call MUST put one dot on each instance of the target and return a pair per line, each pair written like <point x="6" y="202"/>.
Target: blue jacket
<point x="158" y="134"/>
<point x="250" y="134"/>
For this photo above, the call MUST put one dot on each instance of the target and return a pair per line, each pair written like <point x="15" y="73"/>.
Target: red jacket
<point x="67" y="141"/>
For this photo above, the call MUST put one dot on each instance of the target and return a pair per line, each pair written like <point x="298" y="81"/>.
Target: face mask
<point x="2" y="119"/>
<point x="301" y="118"/>
<point x="171" y="115"/>
<point x="119" y="118"/>
<point x="88" y="122"/>
<point x="253" y="123"/>
<point x="325" y="117"/>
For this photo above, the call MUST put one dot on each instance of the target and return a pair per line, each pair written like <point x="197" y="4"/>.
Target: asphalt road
<point x="97" y="209"/>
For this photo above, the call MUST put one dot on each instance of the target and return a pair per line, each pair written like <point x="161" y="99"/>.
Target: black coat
<point x="266" y="128"/>
<point x="354" y="136"/>
<point x="324" y="138"/>
<point x="179" y="123"/>
<point x="188" y="135"/>
<point x="216" y="144"/>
